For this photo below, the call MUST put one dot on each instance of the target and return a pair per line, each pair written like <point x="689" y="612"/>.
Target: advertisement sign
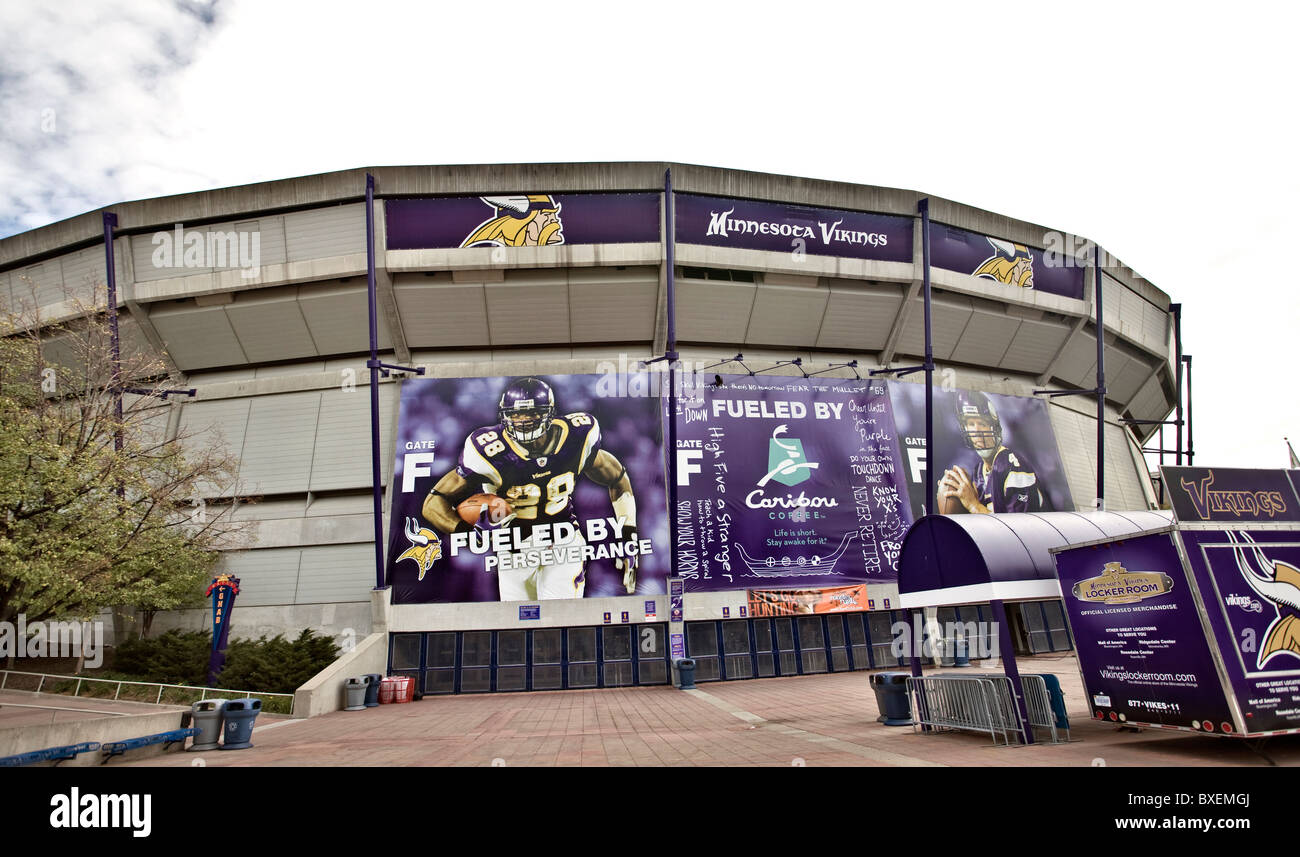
<point x="787" y="482"/>
<point x="1249" y="581"/>
<point x="995" y="453"/>
<point x="1142" y="649"/>
<point x="798" y="602"/>
<point x="1002" y="261"/>
<point x="222" y="591"/>
<point x="1230" y="495"/>
<point x="530" y="219"/>
<point x="780" y="227"/>
<point x="567" y="487"/>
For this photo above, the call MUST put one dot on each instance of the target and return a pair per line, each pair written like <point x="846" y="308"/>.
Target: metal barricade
<point x="981" y="703"/>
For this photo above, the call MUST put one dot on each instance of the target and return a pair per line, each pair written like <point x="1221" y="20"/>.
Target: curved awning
<point x="969" y="559"/>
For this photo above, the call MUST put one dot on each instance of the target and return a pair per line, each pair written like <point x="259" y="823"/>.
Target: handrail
<point x="205" y="692"/>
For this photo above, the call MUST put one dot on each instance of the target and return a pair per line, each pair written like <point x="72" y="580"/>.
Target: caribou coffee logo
<point x="1116" y="585"/>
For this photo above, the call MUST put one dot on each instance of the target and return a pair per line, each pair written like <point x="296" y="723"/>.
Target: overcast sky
<point x="1166" y="133"/>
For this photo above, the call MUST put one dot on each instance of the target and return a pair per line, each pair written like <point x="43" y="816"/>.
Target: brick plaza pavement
<point x="819" y="720"/>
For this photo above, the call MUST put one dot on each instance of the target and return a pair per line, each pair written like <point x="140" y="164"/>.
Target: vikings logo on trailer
<point x="523" y="220"/>
<point x="1278" y="583"/>
<point x="1010" y="263"/>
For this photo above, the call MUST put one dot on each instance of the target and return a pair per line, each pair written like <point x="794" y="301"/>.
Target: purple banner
<point x="783" y="228"/>
<point x="1138" y="635"/>
<point x="1199" y="494"/>
<point x="994" y="453"/>
<point x="223" y="590"/>
<point x="1003" y="261"/>
<point x="787" y="482"/>
<point x="1249" y="582"/>
<point x="568" y="487"/>
<point x="521" y="220"/>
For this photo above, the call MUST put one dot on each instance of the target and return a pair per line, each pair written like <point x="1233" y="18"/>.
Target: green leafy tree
<point x="100" y="508"/>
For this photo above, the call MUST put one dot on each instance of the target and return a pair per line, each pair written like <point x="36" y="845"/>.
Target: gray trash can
<point x="207" y="716"/>
<point x="686" y="668"/>
<point x="354" y="691"/>
<point x="891" y="698"/>
<point x="372" y="689"/>
<point x="240" y="714"/>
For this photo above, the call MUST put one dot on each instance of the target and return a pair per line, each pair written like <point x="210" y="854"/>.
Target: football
<point x="470" y="508"/>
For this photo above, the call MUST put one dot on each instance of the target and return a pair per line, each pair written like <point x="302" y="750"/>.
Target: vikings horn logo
<point x="523" y="220"/>
<point x="425" y="547"/>
<point x="1279" y="583"/>
<point x="1010" y="263"/>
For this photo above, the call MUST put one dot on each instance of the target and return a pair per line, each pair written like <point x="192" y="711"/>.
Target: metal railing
<point x="977" y="703"/>
<point x="138" y="691"/>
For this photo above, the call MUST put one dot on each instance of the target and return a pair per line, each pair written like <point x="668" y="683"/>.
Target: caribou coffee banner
<point x="721" y="222"/>
<point x="1004" y="262"/>
<point x="575" y="475"/>
<point x="994" y="453"/>
<point x="787" y="482"/>
<point x="526" y="219"/>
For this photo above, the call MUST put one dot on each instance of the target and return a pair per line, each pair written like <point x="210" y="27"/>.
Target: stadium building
<point x="490" y="275"/>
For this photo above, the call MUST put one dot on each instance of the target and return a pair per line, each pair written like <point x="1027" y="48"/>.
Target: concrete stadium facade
<point x="277" y="353"/>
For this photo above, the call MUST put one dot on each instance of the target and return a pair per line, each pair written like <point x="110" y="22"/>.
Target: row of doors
<point x="486" y="661"/>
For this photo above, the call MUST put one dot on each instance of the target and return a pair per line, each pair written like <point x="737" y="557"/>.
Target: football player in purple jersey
<point x="532" y="459"/>
<point x="1005" y="481"/>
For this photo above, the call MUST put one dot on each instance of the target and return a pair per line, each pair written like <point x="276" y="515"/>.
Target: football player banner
<point x="787" y="482"/>
<point x="526" y="488"/>
<point x="994" y="453"/>
<point x="1192" y="629"/>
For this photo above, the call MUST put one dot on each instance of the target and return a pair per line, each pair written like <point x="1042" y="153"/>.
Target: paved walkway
<point x="806" y="720"/>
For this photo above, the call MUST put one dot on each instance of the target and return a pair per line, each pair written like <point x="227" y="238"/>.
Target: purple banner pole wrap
<point x="223" y="590"/>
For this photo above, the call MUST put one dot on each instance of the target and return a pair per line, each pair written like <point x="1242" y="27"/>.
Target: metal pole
<point x="670" y="238"/>
<point x="924" y="206"/>
<point x="1187" y="358"/>
<point x="1177" y="310"/>
<point x="1008" y="654"/>
<point x="1101" y="382"/>
<point x="110" y="223"/>
<point x="373" y="363"/>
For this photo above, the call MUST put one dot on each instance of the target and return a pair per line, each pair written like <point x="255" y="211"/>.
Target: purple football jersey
<point x="1010" y="485"/>
<point x="539" y="486"/>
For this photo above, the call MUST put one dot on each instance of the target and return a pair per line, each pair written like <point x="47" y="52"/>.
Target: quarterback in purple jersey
<point x="532" y="459"/>
<point x="1005" y="481"/>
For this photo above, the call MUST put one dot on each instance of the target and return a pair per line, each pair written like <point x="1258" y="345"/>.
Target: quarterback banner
<point x="994" y="453"/>
<point x="1002" y="261"/>
<point x="787" y="482"/>
<point x="720" y="222"/>
<point x="521" y="220"/>
<point x="527" y="488"/>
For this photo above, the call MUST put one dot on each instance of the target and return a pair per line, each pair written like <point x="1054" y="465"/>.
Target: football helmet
<point x="526" y="409"/>
<point x="974" y="405"/>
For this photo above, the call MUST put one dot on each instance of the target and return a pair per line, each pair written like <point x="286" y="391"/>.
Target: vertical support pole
<point x="1177" y="310"/>
<point x="670" y="238"/>
<point x="924" y="207"/>
<point x="110" y="223"/>
<point x="373" y="364"/>
<point x="1008" y="654"/>
<point x="1187" y="358"/>
<point x="1101" y="382"/>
